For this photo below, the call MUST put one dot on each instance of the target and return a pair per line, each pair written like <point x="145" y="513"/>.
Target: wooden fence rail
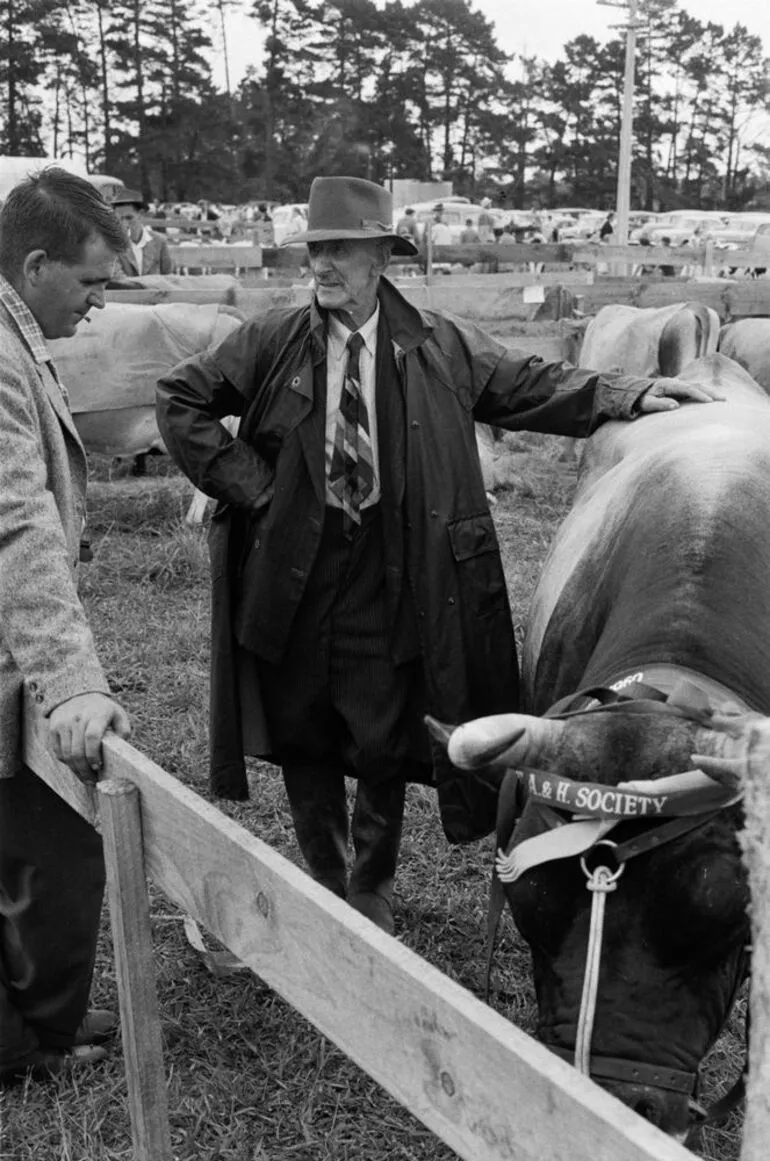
<point x="484" y="1087"/>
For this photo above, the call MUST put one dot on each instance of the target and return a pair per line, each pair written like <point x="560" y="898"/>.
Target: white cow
<point x="654" y="341"/>
<point x="111" y="365"/>
<point x="748" y="342"/>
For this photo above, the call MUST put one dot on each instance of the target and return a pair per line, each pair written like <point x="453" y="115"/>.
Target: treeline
<point x="420" y="90"/>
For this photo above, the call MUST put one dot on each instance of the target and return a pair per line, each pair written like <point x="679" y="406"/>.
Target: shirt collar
<point x="145" y="238"/>
<point x="25" y="321"/>
<point x="339" y="333"/>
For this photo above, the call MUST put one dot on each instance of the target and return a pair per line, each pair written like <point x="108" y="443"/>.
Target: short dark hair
<point x="58" y="212"/>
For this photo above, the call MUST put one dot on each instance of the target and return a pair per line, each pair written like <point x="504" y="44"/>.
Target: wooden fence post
<point x="756" y="850"/>
<point x="139" y="1015"/>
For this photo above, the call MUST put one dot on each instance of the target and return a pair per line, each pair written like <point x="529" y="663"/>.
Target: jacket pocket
<point x="473" y="541"/>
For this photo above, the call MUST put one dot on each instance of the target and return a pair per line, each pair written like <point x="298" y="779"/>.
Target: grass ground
<point x="248" y="1078"/>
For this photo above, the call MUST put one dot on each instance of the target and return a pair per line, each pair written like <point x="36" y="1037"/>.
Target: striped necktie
<point x="351" y="476"/>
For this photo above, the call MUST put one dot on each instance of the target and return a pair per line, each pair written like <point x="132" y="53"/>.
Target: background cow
<point x="748" y="342"/>
<point x="629" y="338"/>
<point x="111" y="366"/>
<point x="655" y="585"/>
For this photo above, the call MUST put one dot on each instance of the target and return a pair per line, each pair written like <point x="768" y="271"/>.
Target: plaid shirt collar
<point x="25" y="321"/>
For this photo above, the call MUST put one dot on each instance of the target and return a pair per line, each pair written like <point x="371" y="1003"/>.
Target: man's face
<point x="346" y="273"/>
<point x="60" y="294"/>
<point x="131" y="221"/>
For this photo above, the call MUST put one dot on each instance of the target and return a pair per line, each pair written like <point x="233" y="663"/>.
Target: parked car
<point x="682" y="227"/>
<point x="454" y="213"/>
<point x="738" y="231"/>
<point x="638" y="222"/>
<point x="583" y="225"/>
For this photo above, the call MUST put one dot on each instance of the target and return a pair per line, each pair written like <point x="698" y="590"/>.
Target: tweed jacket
<point x="271" y="488"/>
<point x="44" y="635"/>
<point x="156" y="258"/>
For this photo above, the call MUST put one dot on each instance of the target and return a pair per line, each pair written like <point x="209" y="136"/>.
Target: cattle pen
<point x="480" y="1084"/>
<point x="477" y="1082"/>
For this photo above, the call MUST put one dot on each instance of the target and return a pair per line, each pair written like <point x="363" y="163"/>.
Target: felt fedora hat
<point x="128" y="197"/>
<point x="349" y="207"/>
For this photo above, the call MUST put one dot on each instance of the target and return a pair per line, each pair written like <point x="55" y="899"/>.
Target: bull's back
<point x="665" y="554"/>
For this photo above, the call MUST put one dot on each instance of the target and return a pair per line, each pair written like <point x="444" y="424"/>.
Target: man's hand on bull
<point x="76" y="729"/>
<point x="666" y="395"/>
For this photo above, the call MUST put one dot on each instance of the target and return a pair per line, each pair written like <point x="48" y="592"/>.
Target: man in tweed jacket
<point x="58" y="245"/>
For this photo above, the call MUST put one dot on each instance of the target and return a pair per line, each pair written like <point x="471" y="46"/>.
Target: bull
<point x="648" y="630"/>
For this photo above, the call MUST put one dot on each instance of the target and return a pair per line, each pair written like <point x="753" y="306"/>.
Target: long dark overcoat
<point x="271" y="490"/>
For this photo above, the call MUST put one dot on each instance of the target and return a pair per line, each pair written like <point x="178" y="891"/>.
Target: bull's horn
<point x="440" y="730"/>
<point x="513" y="739"/>
<point x="735" y="747"/>
<point x="729" y="771"/>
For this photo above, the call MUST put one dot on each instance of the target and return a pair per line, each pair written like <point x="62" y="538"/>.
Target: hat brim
<point x="402" y="246"/>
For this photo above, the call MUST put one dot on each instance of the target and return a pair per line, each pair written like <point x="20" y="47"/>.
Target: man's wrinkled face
<point x="346" y="272"/>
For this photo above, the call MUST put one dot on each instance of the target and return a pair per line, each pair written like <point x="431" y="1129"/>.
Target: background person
<point x="486" y="222"/>
<point x="357" y="575"/>
<point x="469" y="232"/>
<point x="440" y="233"/>
<point x="147" y="252"/>
<point x="607" y="227"/>
<point x="264" y="231"/>
<point x="406" y="226"/>
<point x="58" y="244"/>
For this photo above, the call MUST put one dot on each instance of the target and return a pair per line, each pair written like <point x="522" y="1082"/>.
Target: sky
<point x="535" y="27"/>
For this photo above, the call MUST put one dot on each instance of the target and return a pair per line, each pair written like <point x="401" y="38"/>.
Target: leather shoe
<point x="45" y="1064"/>
<point x="375" y="908"/>
<point x="99" y="1025"/>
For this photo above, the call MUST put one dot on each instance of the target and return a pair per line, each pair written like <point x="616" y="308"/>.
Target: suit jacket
<point x="270" y="482"/>
<point x="156" y="258"/>
<point x="44" y="635"/>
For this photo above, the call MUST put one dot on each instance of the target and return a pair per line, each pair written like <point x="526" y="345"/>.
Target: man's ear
<point x="34" y="266"/>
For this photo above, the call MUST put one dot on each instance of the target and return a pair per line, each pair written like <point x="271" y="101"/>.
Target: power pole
<point x="623" y="203"/>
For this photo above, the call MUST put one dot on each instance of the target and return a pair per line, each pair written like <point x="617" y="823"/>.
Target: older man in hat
<point x="357" y="576"/>
<point x="148" y="252"/>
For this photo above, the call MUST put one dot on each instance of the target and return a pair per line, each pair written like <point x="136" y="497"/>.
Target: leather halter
<point x="688" y="699"/>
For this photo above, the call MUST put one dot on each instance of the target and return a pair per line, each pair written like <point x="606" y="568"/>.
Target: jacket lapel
<point x="54" y="393"/>
<point x="312" y="428"/>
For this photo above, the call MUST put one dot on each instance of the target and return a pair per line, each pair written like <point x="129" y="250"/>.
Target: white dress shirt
<point x="336" y="363"/>
<point x="138" y="247"/>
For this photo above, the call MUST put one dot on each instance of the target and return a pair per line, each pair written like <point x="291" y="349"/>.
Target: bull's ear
<point x="440" y="730"/>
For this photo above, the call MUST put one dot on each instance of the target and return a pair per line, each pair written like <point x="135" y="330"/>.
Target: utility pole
<point x="623" y="203"/>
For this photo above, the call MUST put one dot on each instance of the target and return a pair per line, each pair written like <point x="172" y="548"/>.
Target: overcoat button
<point x="433" y="512"/>
<point x="39" y="698"/>
<point x="295" y="381"/>
<point x="451" y="600"/>
<point x="415" y="423"/>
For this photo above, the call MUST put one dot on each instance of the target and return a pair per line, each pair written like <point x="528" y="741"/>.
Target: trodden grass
<point x="248" y="1078"/>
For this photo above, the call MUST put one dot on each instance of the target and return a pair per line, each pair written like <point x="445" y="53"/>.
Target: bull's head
<point x="675" y="928"/>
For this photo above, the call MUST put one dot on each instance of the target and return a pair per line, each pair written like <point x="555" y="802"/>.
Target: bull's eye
<point x="544" y="903"/>
<point x="699" y="906"/>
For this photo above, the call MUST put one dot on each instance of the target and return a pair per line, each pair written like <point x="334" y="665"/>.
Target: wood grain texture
<point x="132" y="939"/>
<point x="484" y="1087"/>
